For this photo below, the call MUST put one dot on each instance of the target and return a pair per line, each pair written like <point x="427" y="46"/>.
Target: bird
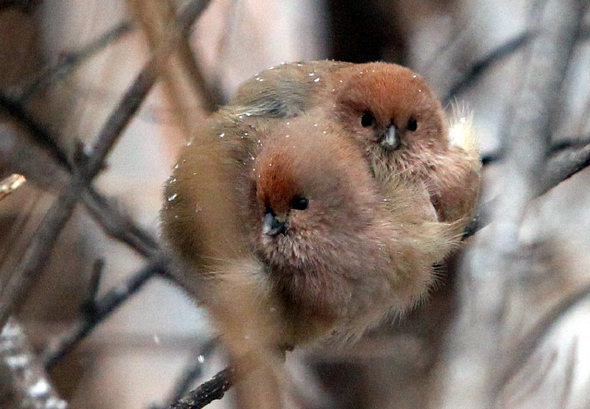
<point x="346" y="188"/>
<point x="392" y="114"/>
<point x="343" y="252"/>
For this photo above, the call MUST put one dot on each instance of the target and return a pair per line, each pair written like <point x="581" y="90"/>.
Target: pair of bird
<point x="346" y="186"/>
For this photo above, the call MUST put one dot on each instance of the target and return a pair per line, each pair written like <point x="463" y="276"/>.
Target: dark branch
<point x="560" y="167"/>
<point x="479" y="67"/>
<point x="37" y="131"/>
<point x="118" y="224"/>
<point x="114" y="126"/>
<point x="96" y="312"/>
<point x="24" y="5"/>
<point x="72" y="60"/>
<point x="193" y="372"/>
<point x="38" y="252"/>
<point x="208" y="392"/>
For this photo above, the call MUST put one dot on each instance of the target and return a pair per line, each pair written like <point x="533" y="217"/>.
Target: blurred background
<point x="65" y="64"/>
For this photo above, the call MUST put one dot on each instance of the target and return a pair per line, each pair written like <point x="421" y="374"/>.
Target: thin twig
<point x="39" y="133"/>
<point x="479" y="67"/>
<point x="89" y="303"/>
<point x="193" y="372"/>
<point x="559" y="168"/>
<point x="72" y="60"/>
<point x="100" y="310"/>
<point x="36" y="255"/>
<point x="115" y="222"/>
<point x="113" y="219"/>
<point x="209" y="391"/>
<point x="114" y="126"/>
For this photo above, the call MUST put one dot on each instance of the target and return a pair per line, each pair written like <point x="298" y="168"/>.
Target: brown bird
<point x="347" y="188"/>
<point x="343" y="252"/>
<point x="389" y="110"/>
<point x="340" y="250"/>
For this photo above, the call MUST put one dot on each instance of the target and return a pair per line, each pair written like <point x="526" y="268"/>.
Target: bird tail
<point x="462" y="133"/>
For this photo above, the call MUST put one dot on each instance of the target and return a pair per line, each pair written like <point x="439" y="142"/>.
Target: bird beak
<point x="390" y="139"/>
<point x="272" y="226"/>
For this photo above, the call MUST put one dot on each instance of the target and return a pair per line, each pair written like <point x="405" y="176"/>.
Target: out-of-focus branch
<point x="558" y="168"/>
<point x="37" y="132"/>
<point x="479" y="67"/>
<point x="538" y="334"/>
<point x="10" y="184"/>
<point x="39" y="161"/>
<point x="14" y="294"/>
<point x="72" y="60"/>
<point x="97" y="311"/>
<point x="127" y="107"/>
<point x="181" y="71"/>
<point x="564" y="165"/>
<point x="36" y="255"/>
<point x="23" y="381"/>
<point x="475" y="350"/>
<point x="112" y="218"/>
<point x="117" y="223"/>
<point x="237" y="296"/>
<point x="24" y="5"/>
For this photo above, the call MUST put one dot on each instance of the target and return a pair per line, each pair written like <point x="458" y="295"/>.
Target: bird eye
<point x="300" y="203"/>
<point x="367" y="120"/>
<point x="412" y="124"/>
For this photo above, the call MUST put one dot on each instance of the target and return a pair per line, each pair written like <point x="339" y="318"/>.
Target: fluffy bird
<point x="347" y="188"/>
<point x="391" y="113"/>
<point x="340" y="250"/>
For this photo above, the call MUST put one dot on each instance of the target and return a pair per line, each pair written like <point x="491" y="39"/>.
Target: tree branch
<point x="209" y="391"/>
<point x="25" y="384"/>
<point x="98" y="311"/>
<point x="72" y="60"/>
<point x="475" y="349"/>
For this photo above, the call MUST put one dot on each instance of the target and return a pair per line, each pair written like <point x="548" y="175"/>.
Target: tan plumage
<point x="347" y="188"/>
<point x="385" y="95"/>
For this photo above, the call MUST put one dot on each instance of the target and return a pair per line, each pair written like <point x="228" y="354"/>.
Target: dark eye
<point x="367" y="120"/>
<point x="412" y="124"/>
<point x="300" y="203"/>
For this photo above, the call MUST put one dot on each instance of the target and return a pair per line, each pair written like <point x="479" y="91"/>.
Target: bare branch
<point x="564" y="165"/>
<point x="479" y="67"/>
<point x="209" y="391"/>
<point x="475" y="349"/>
<point x="101" y="309"/>
<point x="560" y="167"/>
<point x="25" y="385"/>
<point x="36" y="255"/>
<point x="72" y="60"/>
<point x="115" y="222"/>
<point x="194" y="371"/>
<point x="538" y="334"/>
<point x="38" y="132"/>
